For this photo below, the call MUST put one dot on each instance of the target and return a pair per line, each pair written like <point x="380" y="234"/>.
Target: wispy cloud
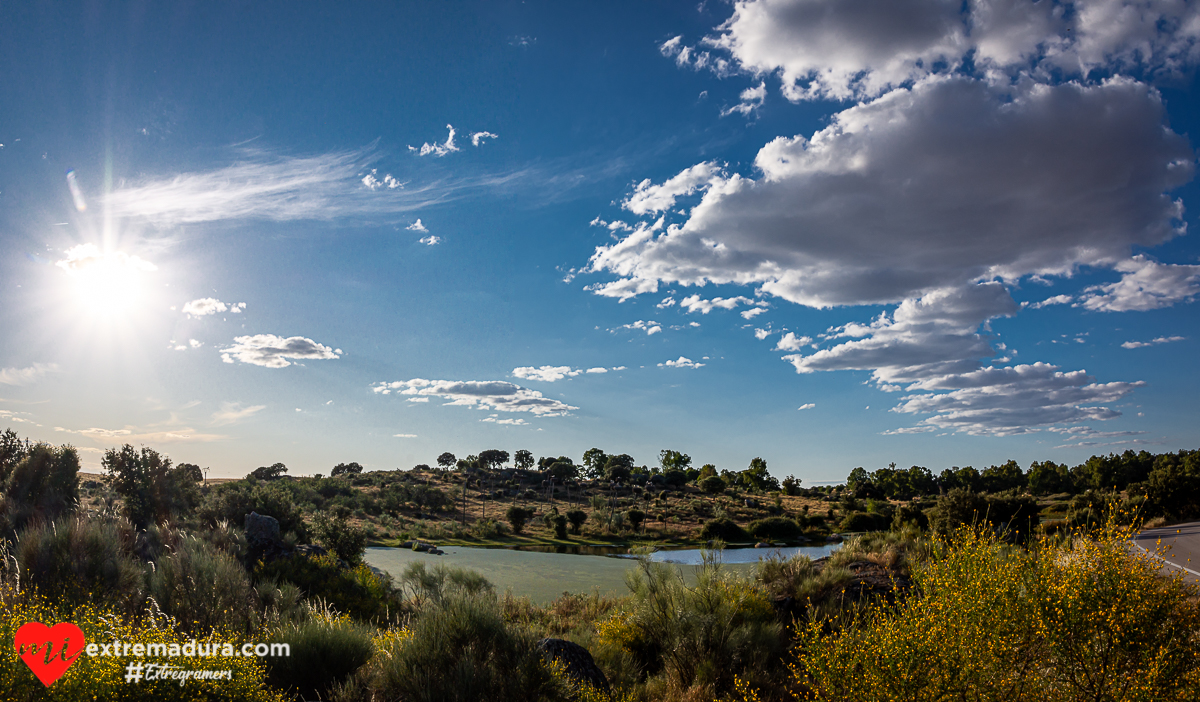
<point x="430" y="240"/>
<point x="273" y="351"/>
<point x="231" y="412"/>
<point x="438" y="149"/>
<point x="26" y="376"/>
<point x="682" y="362"/>
<point x="495" y="395"/>
<point x="478" y="137"/>
<point x="1152" y="342"/>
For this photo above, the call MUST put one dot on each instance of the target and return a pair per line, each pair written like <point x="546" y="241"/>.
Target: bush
<point x="635" y="517"/>
<point x="357" y="591"/>
<point x="560" y="527"/>
<point x="231" y="502"/>
<point x="461" y="649"/>
<point x="41" y="486"/>
<point x="1085" y="620"/>
<point x="517" y="516"/>
<point x="577" y="517"/>
<point x="81" y="560"/>
<point x="202" y="587"/>
<point x="775" y="529"/>
<point x="864" y="521"/>
<point x="442" y="581"/>
<point x="724" y="530"/>
<point x="340" y="536"/>
<point x="325" y="650"/>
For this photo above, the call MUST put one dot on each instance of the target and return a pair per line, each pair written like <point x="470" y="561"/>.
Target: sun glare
<point x="109" y="284"/>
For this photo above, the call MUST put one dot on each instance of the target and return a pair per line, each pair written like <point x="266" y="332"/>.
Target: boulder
<point x="576" y="661"/>
<point x="262" y="538"/>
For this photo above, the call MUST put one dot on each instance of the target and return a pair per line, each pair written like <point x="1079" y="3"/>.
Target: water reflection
<point x="680" y="554"/>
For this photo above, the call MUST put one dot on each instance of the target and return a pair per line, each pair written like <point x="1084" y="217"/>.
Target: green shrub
<point x="324" y="651"/>
<point x="41" y="486"/>
<point x="356" y="591"/>
<point x="231" y="502"/>
<point x="577" y="517"/>
<point x="775" y="529"/>
<point x="461" y="649"/>
<point x="434" y="585"/>
<point x="724" y="530"/>
<point x="560" y="527"/>
<point x="202" y="587"/>
<point x="345" y="540"/>
<point x="864" y="521"/>
<point x="81" y="560"/>
<point x="517" y="516"/>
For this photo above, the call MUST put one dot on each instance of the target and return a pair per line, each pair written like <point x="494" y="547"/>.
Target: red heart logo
<point x="42" y="641"/>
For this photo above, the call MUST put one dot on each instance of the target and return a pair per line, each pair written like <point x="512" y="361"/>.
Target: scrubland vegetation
<point x="999" y="584"/>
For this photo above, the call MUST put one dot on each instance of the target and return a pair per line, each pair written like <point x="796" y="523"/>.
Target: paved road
<point x="1180" y="546"/>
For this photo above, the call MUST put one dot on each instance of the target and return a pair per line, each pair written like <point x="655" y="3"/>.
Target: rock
<point x="577" y="662"/>
<point x="761" y="544"/>
<point x="310" y="550"/>
<point x="262" y="538"/>
<point x="751" y="502"/>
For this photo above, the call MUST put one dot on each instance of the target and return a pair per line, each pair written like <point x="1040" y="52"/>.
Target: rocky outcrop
<point x="576" y="661"/>
<point x="423" y="547"/>
<point x="263" y="540"/>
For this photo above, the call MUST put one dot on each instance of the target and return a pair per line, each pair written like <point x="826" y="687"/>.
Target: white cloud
<point x="1016" y="400"/>
<point x="650" y="327"/>
<point x="237" y="308"/>
<point x="405" y="436"/>
<point x="27" y="375"/>
<point x="791" y="342"/>
<point x="845" y="217"/>
<point x="611" y="226"/>
<point x="752" y="313"/>
<point x="438" y="149"/>
<point x="511" y="422"/>
<point x="1144" y="285"/>
<point x="231" y="412"/>
<point x="1056" y="300"/>
<point x="751" y="100"/>
<point x="418" y="399"/>
<point x="761" y="334"/>
<point x="417" y="226"/>
<point x="808" y="405"/>
<point x="623" y="289"/>
<point x="430" y="240"/>
<point x="10" y="416"/>
<point x="483" y="394"/>
<point x="373" y="182"/>
<point x="86" y="259"/>
<point x="478" y="137"/>
<point x="547" y="374"/>
<point x="273" y="351"/>
<point x="694" y="303"/>
<point x="908" y="430"/>
<point x="682" y="362"/>
<point x="1152" y="342"/>
<point x="600" y="369"/>
<point x="666" y="302"/>
<point x="263" y="186"/>
<point x="648" y="198"/>
<point x="204" y="306"/>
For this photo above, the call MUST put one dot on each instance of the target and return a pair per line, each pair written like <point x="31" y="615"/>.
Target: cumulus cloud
<point x="666" y="302"/>
<point x="682" y="362"/>
<point x="623" y="289"/>
<point x="417" y="226"/>
<point x="438" y="149"/>
<point x="373" y="182"/>
<point x="791" y="342"/>
<point x="26" y="376"/>
<point x="694" y="303"/>
<point x="1144" y="285"/>
<point x="547" y="374"/>
<point x="204" y="306"/>
<point x="752" y="313"/>
<point x="599" y="369"/>
<point x="518" y="422"/>
<point x="761" y="334"/>
<point x="494" y="395"/>
<point x="1152" y="342"/>
<point x="846" y="49"/>
<point x="886" y="203"/>
<point x="1056" y="300"/>
<point x="751" y="100"/>
<point x="651" y="328"/>
<point x="478" y="137"/>
<point x="231" y="412"/>
<point x="430" y="240"/>
<point x="648" y="198"/>
<point x="273" y="351"/>
<point x="807" y="405"/>
<point x="1016" y="400"/>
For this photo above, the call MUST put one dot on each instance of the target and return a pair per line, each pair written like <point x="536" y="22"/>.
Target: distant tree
<point x="1004" y="477"/>
<point x="674" y="460"/>
<point x="791" y="485"/>
<point x="635" y="517"/>
<point x="446" y="461"/>
<point x="593" y="463"/>
<point x="346" y="469"/>
<point x="706" y="471"/>
<point x="190" y="472"/>
<point x="560" y="527"/>
<point x="577" y="517"/>
<point x="492" y="459"/>
<point x="618" y="468"/>
<point x="1048" y="478"/>
<point x="966" y="478"/>
<point x="713" y="485"/>
<point x="1174" y="484"/>
<point x="517" y="516"/>
<point x="422" y="467"/>
<point x="41" y="486"/>
<point x="563" y="471"/>
<point x="13" y="449"/>
<point x="757" y="475"/>
<point x="345" y="540"/>
<point x="270" y="472"/>
<point x="522" y="459"/>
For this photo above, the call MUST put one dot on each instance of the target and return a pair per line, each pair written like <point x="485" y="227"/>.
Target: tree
<point x="674" y="460"/>
<point x="446" y="461"/>
<point x="560" y="527"/>
<point x="593" y="463"/>
<point x="758" y="476"/>
<point x="1174" y="484"/>
<point x="270" y="472"/>
<point x="522" y="459"/>
<point x="577" y="517"/>
<point x="635" y="517"/>
<point x="713" y="485"/>
<point x="12" y="450"/>
<point x="706" y="471"/>
<point x="1000" y="478"/>
<point x="1048" y="478"/>
<point x="346" y="469"/>
<point x="791" y="485"/>
<point x="43" y="485"/>
<point x="492" y="459"/>
<point x="345" y="540"/>
<point x="618" y="468"/>
<point x="563" y="471"/>
<point x="152" y="489"/>
<point x="190" y="472"/>
<point x="517" y="516"/>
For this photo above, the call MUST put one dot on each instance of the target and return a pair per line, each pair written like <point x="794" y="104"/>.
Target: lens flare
<point x="109" y="284"/>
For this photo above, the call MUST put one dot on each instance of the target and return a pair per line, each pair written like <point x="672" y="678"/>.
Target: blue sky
<point x="827" y="234"/>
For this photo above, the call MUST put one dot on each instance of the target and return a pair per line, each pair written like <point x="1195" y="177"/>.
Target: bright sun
<point x="106" y="285"/>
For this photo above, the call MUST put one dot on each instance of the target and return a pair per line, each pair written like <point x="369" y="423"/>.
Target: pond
<point x="543" y="576"/>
